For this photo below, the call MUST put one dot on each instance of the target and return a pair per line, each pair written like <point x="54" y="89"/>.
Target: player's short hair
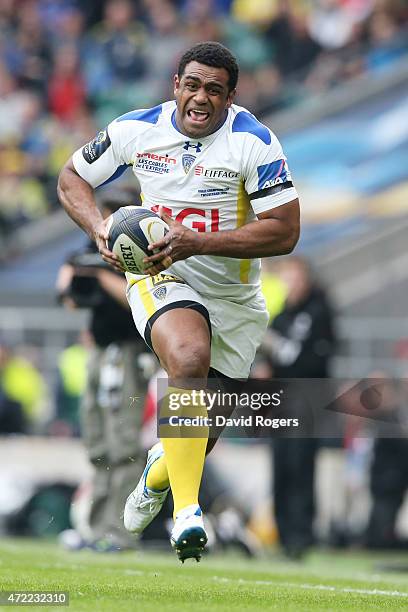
<point x="212" y="54"/>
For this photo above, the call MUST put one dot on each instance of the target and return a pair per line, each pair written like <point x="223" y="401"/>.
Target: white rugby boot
<point x="143" y="504"/>
<point x="188" y="536"/>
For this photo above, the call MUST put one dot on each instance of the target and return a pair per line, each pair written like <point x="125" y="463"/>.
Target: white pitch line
<point x="317" y="587"/>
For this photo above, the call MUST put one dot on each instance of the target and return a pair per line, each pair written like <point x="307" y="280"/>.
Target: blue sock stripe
<point x="157" y="454"/>
<point x="150" y="462"/>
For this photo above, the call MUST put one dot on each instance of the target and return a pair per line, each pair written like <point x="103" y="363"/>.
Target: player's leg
<point x="237" y="332"/>
<point x="233" y="349"/>
<point x="182" y="343"/>
<point x="157" y="477"/>
<point x="185" y="355"/>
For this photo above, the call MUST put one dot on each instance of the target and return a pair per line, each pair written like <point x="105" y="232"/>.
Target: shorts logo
<point x="188" y="160"/>
<point x="161" y="278"/>
<point x="94" y="149"/>
<point x="160" y="293"/>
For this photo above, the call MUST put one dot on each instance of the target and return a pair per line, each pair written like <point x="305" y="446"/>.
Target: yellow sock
<point x="158" y="477"/>
<point x="184" y="455"/>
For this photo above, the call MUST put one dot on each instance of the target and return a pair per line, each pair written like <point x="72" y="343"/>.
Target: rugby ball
<point x="131" y="230"/>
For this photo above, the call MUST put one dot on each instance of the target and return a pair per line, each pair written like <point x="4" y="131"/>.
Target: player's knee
<point x="185" y="361"/>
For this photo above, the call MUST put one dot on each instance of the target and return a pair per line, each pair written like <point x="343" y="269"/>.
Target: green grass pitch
<point x="156" y="582"/>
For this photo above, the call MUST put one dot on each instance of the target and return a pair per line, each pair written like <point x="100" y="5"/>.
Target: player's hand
<point x="178" y="244"/>
<point x="101" y="235"/>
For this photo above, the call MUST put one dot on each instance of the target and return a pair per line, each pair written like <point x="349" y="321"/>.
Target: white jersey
<point x="215" y="183"/>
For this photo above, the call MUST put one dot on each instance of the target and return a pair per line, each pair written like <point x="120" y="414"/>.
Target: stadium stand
<point x="66" y="70"/>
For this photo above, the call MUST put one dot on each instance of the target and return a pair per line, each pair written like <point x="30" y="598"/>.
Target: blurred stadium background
<point x="330" y="77"/>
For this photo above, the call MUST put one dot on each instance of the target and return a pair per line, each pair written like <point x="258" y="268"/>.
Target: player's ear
<point x="230" y="97"/>
<point x="176" y="83"/>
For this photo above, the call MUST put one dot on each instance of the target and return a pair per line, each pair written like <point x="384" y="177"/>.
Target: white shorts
<point x="237" y="329"/>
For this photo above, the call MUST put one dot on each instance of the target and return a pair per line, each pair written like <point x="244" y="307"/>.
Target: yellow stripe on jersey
<point x="143" y="287"/>
<point x="244" y="270"/>
<point x="243" y="204"/>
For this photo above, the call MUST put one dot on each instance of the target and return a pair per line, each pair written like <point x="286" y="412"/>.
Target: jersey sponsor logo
<point x="277" y="181"/>
<point x="161" y="158"/>
<point x="188" y="160"/>
<point x="210" y="222"/>
<point x="272" y="174"/>
<point x="191" y="145"/>
<point x="151" y="162"/>
<point x="215" y="173"/>
<point x="94" y="149"/>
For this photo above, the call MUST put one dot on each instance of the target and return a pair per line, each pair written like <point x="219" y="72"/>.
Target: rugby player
<point x="219" y="178"/>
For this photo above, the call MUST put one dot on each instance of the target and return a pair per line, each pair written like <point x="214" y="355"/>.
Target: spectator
<point x="111" y="409"/>
<point x="22" y="385"/>
<point x="388" y="485"/>
<point x="12" y="417"/>
<point x="331" y="24"/>
<point x="386" y="45"/>
<point x="298" y="344"/>
<point x="166" y="41"/>
<point x="66" y="89"/>
<point x="27" y="52"/>
<point x="71" y="386"/>
<point x="13" y="104"/>
<point x="69" y="30"/>
<point x="389" y="465"/>
<point x="291" y="44"/>
<point x="121" y="39"/>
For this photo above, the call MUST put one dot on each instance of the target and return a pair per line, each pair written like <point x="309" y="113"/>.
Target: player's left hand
<point x="179" y="243"/>
<point x="101" y="235"/>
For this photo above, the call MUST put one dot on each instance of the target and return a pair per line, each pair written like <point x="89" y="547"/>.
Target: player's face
<point x="203" y="97"/>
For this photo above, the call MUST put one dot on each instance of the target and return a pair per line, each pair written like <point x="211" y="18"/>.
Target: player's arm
<point x="89" y="167"/>
<point x="276" y="232"/>
<point x="77" y="197"/>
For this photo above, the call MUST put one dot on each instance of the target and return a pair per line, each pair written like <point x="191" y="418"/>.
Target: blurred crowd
<point x="67" y="68"/>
